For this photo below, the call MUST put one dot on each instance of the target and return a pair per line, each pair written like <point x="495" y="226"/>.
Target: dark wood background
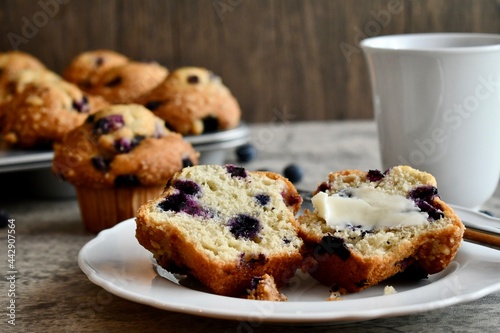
<point x="288" y="59"/>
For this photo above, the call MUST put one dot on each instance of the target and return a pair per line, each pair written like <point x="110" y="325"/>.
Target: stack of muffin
<point x="116" y="125"/>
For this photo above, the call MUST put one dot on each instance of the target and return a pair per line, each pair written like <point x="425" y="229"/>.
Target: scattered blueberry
<point x="244" y="226"/>
<point x="114" y="82"/>
<point x="374" y="175"/>
<point x="236" y="171"/>
<point x="193" y="79"/>
<point x="210" y="124"/>
<point x="487" y="212"/>
<point x="127" y="181"/>
<point x="108" y="124"/>
<point x="262" y="199"/>
<point x="246" y="153"/>
<point x="4" y="218"/>
<point x="100" y="163"/>
<point x="82" y="106"/>
<point x="153" y="105"/>
<point x="294" y="173"/>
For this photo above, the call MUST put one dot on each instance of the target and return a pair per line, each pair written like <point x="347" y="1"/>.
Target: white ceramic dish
<point x="115" y="261"/>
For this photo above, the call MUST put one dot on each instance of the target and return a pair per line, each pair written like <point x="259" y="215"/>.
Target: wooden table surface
<point x="53" y="295"/>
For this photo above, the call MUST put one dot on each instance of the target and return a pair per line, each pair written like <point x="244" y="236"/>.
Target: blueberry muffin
<point x="369" y="226"/>
<point x="41" y="108"/>
<point x="13" y="62"/>
<point x="87" y="67"/>
<point x="224" y="226"/>
<point x="118" y="159"/>
<point x="125" y="83"/>
<point x="193" y="101"/>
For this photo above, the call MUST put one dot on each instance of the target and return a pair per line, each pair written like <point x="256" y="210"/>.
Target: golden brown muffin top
<point x="122" y="145"/>
<point x="193" y="100"/>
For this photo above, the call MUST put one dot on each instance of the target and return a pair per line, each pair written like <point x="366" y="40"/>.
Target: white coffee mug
<point x="436" y="99"/>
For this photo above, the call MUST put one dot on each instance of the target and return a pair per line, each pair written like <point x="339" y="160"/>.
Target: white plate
<point x="477" y="220"/>
<point x="115" y="261"/>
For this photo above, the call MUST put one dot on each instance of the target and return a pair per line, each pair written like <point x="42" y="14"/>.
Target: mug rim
<point x="398" y="42"/>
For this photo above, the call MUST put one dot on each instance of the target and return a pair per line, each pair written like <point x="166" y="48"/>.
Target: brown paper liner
<point x="103" y="208"/>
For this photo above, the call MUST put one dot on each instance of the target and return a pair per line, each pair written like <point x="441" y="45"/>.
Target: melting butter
<point x="367" y="208"/>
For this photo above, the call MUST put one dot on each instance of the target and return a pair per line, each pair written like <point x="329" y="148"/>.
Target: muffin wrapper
<point x="102" y="208"/>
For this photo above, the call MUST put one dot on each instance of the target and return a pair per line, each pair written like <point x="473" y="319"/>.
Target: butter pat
<point x="367" y="208"/>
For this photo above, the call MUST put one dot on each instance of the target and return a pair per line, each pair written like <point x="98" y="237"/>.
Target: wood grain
<point x="298" y="60"/>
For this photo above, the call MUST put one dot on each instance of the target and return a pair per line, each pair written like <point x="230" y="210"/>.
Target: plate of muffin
<point x="372" y="244"/>
<point x="39" y="108"/>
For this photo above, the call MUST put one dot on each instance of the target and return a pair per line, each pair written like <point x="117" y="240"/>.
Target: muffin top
<point x="40" y="108"/>
<point x="86" y="68"/>
<point x="14" y="61"/>
<point x="193" y="100"/>
<point x="11" y="63"/>
<point x="125" y="83"/>
<point x="122" y="145"/>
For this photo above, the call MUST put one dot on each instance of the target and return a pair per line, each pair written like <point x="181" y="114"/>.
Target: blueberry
<point x="100" y="163"/>
<point x="82" y="106"/>
<point x="127" y="181"/>
<point x="433" y="212"/>
<point x="193" y="79"/>
<point x="374" y="175"/>
<point x="332" y="245"/>
<point x="124" y="145"/>
<point x="244" y="226"/>
<point x="99" y="61"/>
<point x="236" y="171"/>
<point x="210" y="124"/>
<point x="153" y="105"/>
<point x="294" y="173"/>
<point x="187" y="187"/>
<point x="487" y="212"/>
<point x="4" y="218"/>
<point x="425" y="192"/>
<point x="246" y="153"/>
<point x="183" y="203"/>
<point x="262" y="199"/>
<point x="108" y="124"/>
